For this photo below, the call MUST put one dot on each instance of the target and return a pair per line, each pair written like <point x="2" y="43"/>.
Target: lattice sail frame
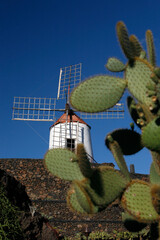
<point x="69" y="78"/>
<point x="43" y="109"/>
<point x="34" y="109"/>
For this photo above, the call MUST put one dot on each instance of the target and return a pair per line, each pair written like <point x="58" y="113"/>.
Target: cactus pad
<point x="157" y="71"/>
<point x="138" y="76"/>
<point x="83" y="198"/>
<point x="156" y="161"/>
<point x="63" y="163"/>
<point x="106" y="184"/>
<point x="151" y="135"/>
<point x="137" y="201"/>
<point x="131" y="224"/>
<point x="132" y="107"/>
<point x="118" y="156"/>
<point x="97" y="94"/>
<point x="155" y="192"/>
<point x="128" y="140"/>
<point x="136" y="46"/>
<point x="125" y="43"/>
<point x="150" y="47"/>
<point x="83" y="161"/>
<point x="73" y="203"/>
<point x="115" y="65"/>
<point x="154" y="176"/>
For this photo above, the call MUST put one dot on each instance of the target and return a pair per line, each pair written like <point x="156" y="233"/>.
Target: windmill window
<point x="71" y="144"/>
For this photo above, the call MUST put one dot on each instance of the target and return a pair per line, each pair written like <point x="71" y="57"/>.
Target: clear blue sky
<point x="38" y="37"/>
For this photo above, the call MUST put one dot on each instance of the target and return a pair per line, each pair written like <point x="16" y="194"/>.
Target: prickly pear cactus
<point x="63" y="163"/>
<point x="93" y="189"/>
<point x="137" y="201"/>
<point x="105" y="89"/>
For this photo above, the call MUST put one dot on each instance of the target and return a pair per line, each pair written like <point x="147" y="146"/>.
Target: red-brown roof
<point x="71" y="118"/>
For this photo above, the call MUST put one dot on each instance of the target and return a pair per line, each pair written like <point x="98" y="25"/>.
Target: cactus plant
<point x="105" y="185"/>
<point x="151" y="135"/>
<point x="131" y="224"/>
<point x="93" y="189"/>
<point x="118" y="155"/>
<point x="98" y="93"/>
<point x="83" y="198"/>
<point x="63" y="163"/>
<point x="83" y="161"/>
<point x="137" y="201"/>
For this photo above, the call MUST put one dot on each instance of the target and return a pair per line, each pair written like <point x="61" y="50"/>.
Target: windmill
<point x="69" y="129"/>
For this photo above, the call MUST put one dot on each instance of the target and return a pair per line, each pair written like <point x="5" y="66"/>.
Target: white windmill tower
<point x="70" y="129"/>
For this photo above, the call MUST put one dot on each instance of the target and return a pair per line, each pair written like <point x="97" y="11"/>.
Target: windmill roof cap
<point x="71" y="118"/>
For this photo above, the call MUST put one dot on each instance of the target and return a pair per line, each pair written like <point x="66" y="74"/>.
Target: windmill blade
<point x="69" y="129"/>
<point x="34" y="109"/>
<point x="117" y="112"/>
<point x="69" y="78"/>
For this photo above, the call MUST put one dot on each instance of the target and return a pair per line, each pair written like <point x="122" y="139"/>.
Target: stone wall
<point x="48" y="195"/>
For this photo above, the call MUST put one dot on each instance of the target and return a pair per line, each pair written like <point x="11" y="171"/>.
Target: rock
<point x="34" y="226"/>
<point x="15" y="191"/>
<point x="49" y="233"/>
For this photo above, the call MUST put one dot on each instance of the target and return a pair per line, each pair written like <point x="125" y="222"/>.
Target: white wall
<point x="75" y="130"/>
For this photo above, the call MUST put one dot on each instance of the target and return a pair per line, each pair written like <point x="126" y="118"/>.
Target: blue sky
<point x="38" y="37"/>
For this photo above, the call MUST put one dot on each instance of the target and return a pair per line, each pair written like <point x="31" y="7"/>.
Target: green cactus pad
<point x="156" y="161"/>
<point x="137" y="201"/>
<point x="150" y="47"/>
<point x="63" y="163"/>
<point x="143" y="55"/>
<point x="83" y="198"/>
<point x="131" y="104"/>
<point x="97" y="94"/>
<point x="138" y="76"/>
<point x="125" y="43"/>
<point x="151" y="86"/>
<point x="83" y="161"/>
<point x="131" y="224"/>
<point x="158" y="94"/>
<point x="154" y="77"/>
<point x="118" y="156"/>
<point x="136" y="46"/>
<point x="106" y="185"/>
<point x="128" y="140"/>
<point x="155" y="192"/>
<point x="151" y="135"/>
<point x="157" y="71"/>
<point x="115" y="65"/>
<point x="73" y="203"/>
<point x="154" y="176"/>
